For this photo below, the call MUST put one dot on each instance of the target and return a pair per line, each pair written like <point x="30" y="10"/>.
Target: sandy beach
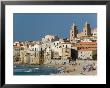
<point x="76" y="69"/>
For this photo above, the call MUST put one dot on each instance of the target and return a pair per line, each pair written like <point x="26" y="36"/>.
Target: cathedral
<point x="87" y="33"/>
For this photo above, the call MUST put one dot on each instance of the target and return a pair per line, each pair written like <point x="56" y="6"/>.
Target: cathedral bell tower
<point x="73" y="33"/>
<point x="87" y="29"/>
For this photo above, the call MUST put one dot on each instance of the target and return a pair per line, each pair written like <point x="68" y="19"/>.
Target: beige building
<point x="66" y="50"/>
<point x="73" y="33"/>
<point x="16" y="54"/>
<point x="28" y="55"/>
<point x="94" y="32"/>
<point x="37" y="54"/>
<point x="86" y="34"/>
<point x="85" y="54"/>
<point x="48" y="38"/>
<point x="85" y="49"/>
<point x="48" y="55"/>
<point x="87" y="29"/>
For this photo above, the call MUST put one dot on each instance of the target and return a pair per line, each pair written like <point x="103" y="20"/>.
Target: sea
<point x="34" y="70"/>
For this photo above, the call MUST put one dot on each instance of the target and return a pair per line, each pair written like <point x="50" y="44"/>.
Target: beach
<point x="76" y="69"/>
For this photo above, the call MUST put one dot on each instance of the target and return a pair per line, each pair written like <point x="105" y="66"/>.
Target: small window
<point x="66" y="46"/>
<point x="35" y="54"/>
<point x="35" y="49"/>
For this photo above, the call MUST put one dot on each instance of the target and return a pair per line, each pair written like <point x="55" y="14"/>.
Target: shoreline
<point x="70" y="69"/>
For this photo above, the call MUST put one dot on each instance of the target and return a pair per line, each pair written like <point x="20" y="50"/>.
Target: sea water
<point x="34" y="70"/>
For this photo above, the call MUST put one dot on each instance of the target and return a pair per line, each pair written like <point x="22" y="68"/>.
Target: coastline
<point x="70" y="69"/>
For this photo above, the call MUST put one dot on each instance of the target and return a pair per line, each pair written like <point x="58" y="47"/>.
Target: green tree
<point x="94" y="55"/>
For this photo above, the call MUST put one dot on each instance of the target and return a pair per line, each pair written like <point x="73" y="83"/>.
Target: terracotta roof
<point x="88" y="43"/>
<point x="85" y="46"/>
<point x="91" y="49"/>
<point x="16" y="46"/>
<point x="66" y="43"/>
<point x="85" y="36"/>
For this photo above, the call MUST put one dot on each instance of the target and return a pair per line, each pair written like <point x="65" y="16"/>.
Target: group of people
<point x="61" y="69"/>
<point x="89" y="67"/>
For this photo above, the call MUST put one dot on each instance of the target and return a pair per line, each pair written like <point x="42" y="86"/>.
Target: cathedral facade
<point x="87" y="33"/>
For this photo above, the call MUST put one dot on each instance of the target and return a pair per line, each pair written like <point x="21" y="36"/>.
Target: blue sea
<point x="34" y="70"/>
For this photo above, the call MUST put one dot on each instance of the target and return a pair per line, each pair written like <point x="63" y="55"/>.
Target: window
<point x="35" y="54"/>
<point x="66" y="46"/>
<point x="35" y="49"/>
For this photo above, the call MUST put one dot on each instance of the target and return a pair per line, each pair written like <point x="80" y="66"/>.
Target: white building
<point x="48" y="38"/>
<point x="85" y="54"/>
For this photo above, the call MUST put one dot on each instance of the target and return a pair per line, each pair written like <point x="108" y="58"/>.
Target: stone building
<point x="48" y="55"/>
<point x="85" y="49"/>
<point x="49" y="38"/>
<point x="38" y="53"/>
<point x="73" y="33"/>
<point x="16" y="54"/>
<point x="87" y="33"/>
<point x="66" y="50"/>
<point x="87" y="29"/>
<point x="85" y="53"/>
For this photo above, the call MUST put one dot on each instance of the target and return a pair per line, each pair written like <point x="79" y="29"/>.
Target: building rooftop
<point x="88" y="43"/>
<point x="90" y="49"/>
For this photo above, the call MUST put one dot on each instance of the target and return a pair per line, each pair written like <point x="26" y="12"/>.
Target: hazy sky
<point x="34" y="26"/>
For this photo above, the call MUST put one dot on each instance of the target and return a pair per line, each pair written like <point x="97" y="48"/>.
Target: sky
<point x="34" y="26"/>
